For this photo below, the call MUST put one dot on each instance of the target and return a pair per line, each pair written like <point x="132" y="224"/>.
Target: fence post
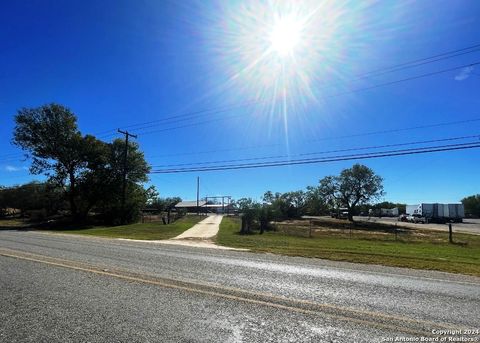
<point x="310" y="229"/>
<point x="450" y="233"/>
<point x="395" y="231"/>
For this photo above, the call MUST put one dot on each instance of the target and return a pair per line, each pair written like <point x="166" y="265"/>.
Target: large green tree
<point x="50" y="136"/>
<point x="100" y="184"/>
<point x="89" y="170"/>
<point x="354" y="186"/>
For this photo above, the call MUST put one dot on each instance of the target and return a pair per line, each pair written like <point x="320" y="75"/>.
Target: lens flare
<point x="286" y="54"/>
<point x="273" y="50"/>
<point x="285" y="35"/>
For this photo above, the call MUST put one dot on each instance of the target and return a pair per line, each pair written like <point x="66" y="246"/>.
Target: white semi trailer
<point x="438" y="212"/>
<point x="389" y="212"/>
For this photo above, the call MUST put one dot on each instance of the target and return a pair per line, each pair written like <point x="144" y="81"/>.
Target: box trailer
<point x="389" y="212"/>
<point x="454" y="212"/>
<point x="435" y="212"/>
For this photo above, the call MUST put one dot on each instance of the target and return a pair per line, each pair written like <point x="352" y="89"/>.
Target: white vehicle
<point x="416" y="219"/>
<point x="439" y="213"/>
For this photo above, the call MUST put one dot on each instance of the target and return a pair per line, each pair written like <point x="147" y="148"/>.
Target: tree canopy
<point x="354" y="186"/>
<point x="89" y="170"/>
<point x="472" y="205"/>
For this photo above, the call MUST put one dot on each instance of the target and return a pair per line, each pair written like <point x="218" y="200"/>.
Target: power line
<point x="321" y="152"/>
<point x="218" y="150"/>
<point x="401" y="66"/>
<point x="185" y="116"/>
<point x="389" y="83"/>
<point x="416" y="65"/>
<point x="201" y="113"/>
<point x="431" y="149"/>
<point x="371" y="133"/>
<point x="188" y="115"/>
<point x="435" y="58"/>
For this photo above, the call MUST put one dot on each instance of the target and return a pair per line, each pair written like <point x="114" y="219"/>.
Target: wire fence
<point x="374" y="231"/>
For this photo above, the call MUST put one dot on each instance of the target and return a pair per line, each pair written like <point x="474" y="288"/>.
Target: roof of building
<point x="192" y="203"/>
<point x="218" y="205"/>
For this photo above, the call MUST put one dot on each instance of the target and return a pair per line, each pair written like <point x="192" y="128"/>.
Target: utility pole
<point x="198" y="193"/>
<point x="124" y="184"/>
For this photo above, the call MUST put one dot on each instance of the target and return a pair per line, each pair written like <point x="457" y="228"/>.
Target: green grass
<point x="11" y="224"/>
<point x="146" y="231"/>
<point x="431" y="250"/>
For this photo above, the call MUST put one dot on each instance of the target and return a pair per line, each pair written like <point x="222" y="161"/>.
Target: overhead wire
<point x="389" y="83"/>
<point x="422" y="61"/>
<point x="227" y="108"/>
<point x="381" y="154"/>
<point x="371" y="133"/>
<point x="321" y="152"/>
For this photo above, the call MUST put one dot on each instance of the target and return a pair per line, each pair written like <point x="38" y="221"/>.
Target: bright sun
<point x="275" y="51"/>
<point x="285" y="35"/>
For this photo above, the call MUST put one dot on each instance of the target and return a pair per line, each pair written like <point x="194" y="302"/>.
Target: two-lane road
<point x="61" y="288"/>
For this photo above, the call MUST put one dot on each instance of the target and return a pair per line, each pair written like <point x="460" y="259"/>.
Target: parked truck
<point x="339" y="213"/>
<point x="439" y="213"/>
<point x="389" y="212"/>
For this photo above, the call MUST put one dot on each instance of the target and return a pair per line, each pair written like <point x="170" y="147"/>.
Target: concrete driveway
<point x="200" y="235"/>
<point x="204" y="230"/>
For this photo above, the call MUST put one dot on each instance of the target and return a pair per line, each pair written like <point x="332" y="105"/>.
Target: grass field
<point x="8" y="224"/>
<point x="430" y="250"/>
<point x="146" y="231"/>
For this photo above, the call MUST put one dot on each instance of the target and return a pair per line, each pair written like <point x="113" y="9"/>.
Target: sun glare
<point x="275" y="51"/>
<point x="285" y="35"/>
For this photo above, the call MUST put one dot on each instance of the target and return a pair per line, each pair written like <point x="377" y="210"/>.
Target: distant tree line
<point x="33" y="199"/>
<point x="84" y="174"/>
<point x="158" y="204"/>
<point x="353" y="188"/>
<point x="472" y="205"/>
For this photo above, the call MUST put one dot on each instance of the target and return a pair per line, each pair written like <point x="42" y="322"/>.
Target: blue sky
<point x="121" y="63"/>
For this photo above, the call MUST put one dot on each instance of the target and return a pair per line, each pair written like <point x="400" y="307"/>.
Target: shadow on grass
<point x="62" y="224"/>
<point x="459" y="243"/>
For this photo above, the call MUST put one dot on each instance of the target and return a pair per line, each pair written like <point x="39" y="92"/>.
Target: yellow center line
<point x="371" y="272"/>
<point x="368" y="322"/>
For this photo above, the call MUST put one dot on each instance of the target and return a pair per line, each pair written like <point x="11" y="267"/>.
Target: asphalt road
<point x="59" y="288"/>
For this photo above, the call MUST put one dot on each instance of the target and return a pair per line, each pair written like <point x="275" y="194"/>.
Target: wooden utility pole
<point x="450" y="233"/>
<point x="124" y="183"/>
<point x="198" y="194"/>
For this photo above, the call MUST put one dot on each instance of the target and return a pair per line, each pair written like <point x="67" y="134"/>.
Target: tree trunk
<point x="244" y="228"/>
<point x="71" y="196"/>
<point x="350" y="214"/>
<point x="263" y="225"/>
